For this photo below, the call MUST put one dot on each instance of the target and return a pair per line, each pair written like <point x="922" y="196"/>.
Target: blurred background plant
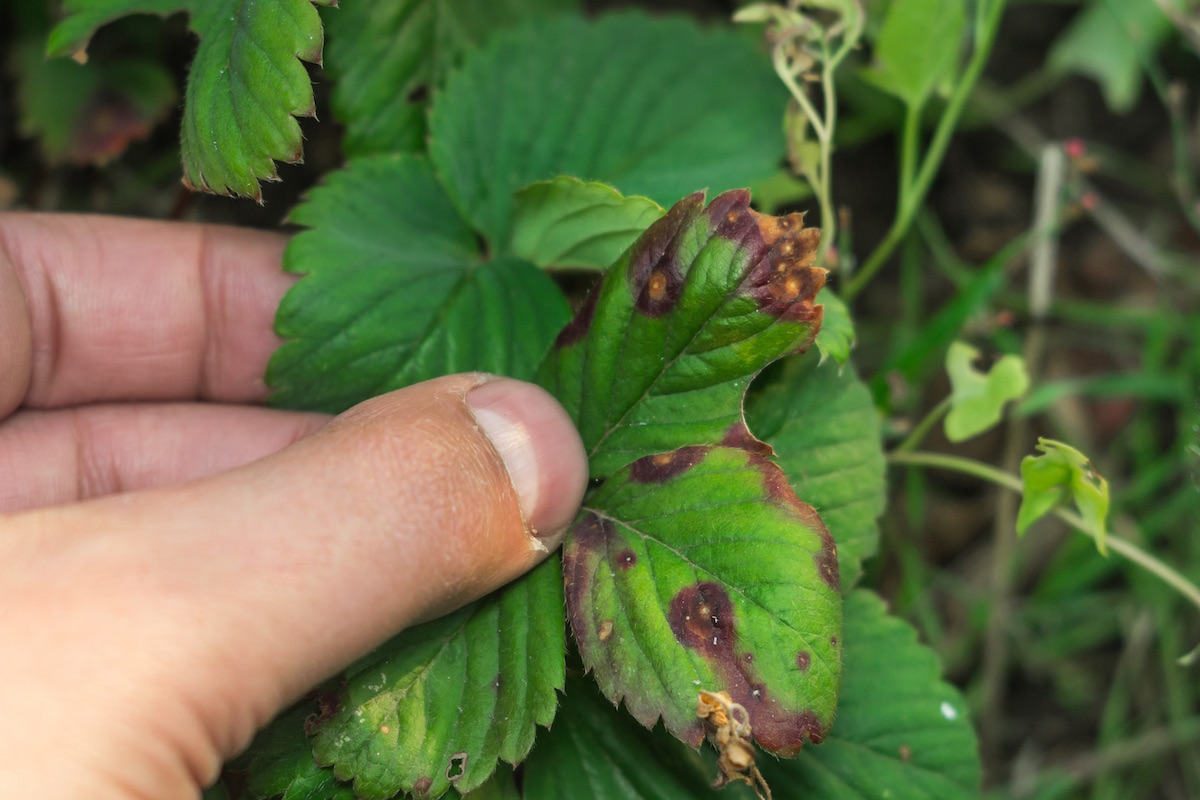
<point x="1019" y="176"/>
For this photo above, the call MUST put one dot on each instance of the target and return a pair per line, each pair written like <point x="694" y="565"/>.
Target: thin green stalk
<point x="1121" y="546"/>
<point x="914" y="194"/>
<point x="922" y="428"/>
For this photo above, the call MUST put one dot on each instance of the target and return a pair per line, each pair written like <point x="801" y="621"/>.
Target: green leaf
<point x="501" y="786"/>
<point x="245" y="87"/>
<point x="823" y="426"/>
<point x="440" y="703"/>
<point x="917" y="47"/>
<point x="88" y="113"/>
<point x="397" y="292"/>
<point x="653" y="106"/>
<point x="1063" y="473"/>
<point x="901" y="732"/>
<point x="977" y="399"/>
<point x="661" y="353"/>
<point x="699" y="569"/>
<point x="595" y="751"/>
<point x="1107" y="42"/>
<point x="281" y="763"/>
<point x="566" y="222"/>
<point x="388" y="56"/>
<point x="836" y="337"/>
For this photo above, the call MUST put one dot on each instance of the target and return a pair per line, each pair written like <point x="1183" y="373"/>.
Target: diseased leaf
<point x="836" y="338"/>
<point x="700" y="569"/>
<point x="653" y="106"/>
<point x="89" y="113"/>
<point x="595" y="751"/>
<point x="397" y="292"/>
<point x="245" y="87"/>
<point x="1059" y="474"/>
<point x="823" y="426"/>
<point x="566" y="222"/>
<point x="440" y="703"/>
<point x="901" y="732"/>
<point x="388" y="56"/>
<point x="917" y="47"/>
<point x="977" y="399"/>
<point x="661" y="353"/>
<point x="281" y="763"/>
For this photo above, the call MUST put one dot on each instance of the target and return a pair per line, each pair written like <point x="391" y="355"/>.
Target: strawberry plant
<point x="588" y="202"/>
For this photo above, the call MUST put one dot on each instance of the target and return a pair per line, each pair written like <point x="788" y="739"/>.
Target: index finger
<point x="125" y="309"/>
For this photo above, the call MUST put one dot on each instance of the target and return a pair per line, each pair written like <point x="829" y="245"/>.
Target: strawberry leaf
<point x="567" y="222"/>
<point x="281" y="763"/>
<point x="820" y="420"/>
<point x="245" y="87"/>
<point x="388" y="56"/>
<point x="398" y="292"/>
<point x="597" y="752"/>
<point x="901" y="731"/>
<point x="660" y="355"/>
<point x="654" y="106"/>
<point x="700" y="569"/>
<point x="441" y="703"/>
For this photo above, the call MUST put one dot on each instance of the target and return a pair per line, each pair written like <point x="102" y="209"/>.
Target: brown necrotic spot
<point x="592" y="532"/>
<point x="655" y="274"/>
<point x="626" y="559"/>
<point x="662" y="467"/>
<point x="586" y="541"/>
<point x="783" y="280"/>
<point x="803" y="660"/>
<point x="581" y="323"/>
<point x="422" y="785"/>
<point x="605" y="630"/>
<point x="701" y="617"/>
<point x="738" y="435"/>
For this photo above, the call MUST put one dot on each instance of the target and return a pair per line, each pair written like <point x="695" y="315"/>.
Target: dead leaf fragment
<point x="729" y="731"/>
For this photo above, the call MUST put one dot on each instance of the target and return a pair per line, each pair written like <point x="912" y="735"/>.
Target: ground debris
<point x="729" y="731"/>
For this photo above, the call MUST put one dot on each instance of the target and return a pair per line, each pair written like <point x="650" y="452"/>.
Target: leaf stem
<point x="913" y="194"/>
<point x="1117" y="544"/>
<point x="922" y="428"/>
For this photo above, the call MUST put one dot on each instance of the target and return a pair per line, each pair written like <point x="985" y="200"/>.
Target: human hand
<point x="178" y="564"/>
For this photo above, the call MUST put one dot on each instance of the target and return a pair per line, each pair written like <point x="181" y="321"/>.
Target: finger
<point x="56" y="457"/>
<point x="196" y="612"/>
<point x="101" y="308"/>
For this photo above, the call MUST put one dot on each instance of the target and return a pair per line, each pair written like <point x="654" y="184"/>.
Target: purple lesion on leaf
<point x="581" y="323"/>
<point x="702" y="618"/>
<point x="655" y="274"/>
<point x="422" y="785"/>
<point x="626" y="559"/>
<point x="739" y="436"/>
<point x="329" y="703"/>
<point x="662" y="467"/>
<point x="590" y="535"/>
<point x="803" y="660"/>
<point x="780" y="492"/>
<point x="783" y="279"/>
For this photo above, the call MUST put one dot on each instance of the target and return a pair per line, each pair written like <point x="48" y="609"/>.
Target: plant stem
<point x="913" y="194"/>
<point x="1118" y="545"/>
<point x="922" y="428"/>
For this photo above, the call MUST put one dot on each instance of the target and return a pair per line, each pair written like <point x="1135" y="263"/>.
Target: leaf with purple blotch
<point x="700" y="569"/>
<point x="660" y="354"/>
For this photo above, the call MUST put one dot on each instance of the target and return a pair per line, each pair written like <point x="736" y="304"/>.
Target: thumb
<point x="198" y="611"/>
